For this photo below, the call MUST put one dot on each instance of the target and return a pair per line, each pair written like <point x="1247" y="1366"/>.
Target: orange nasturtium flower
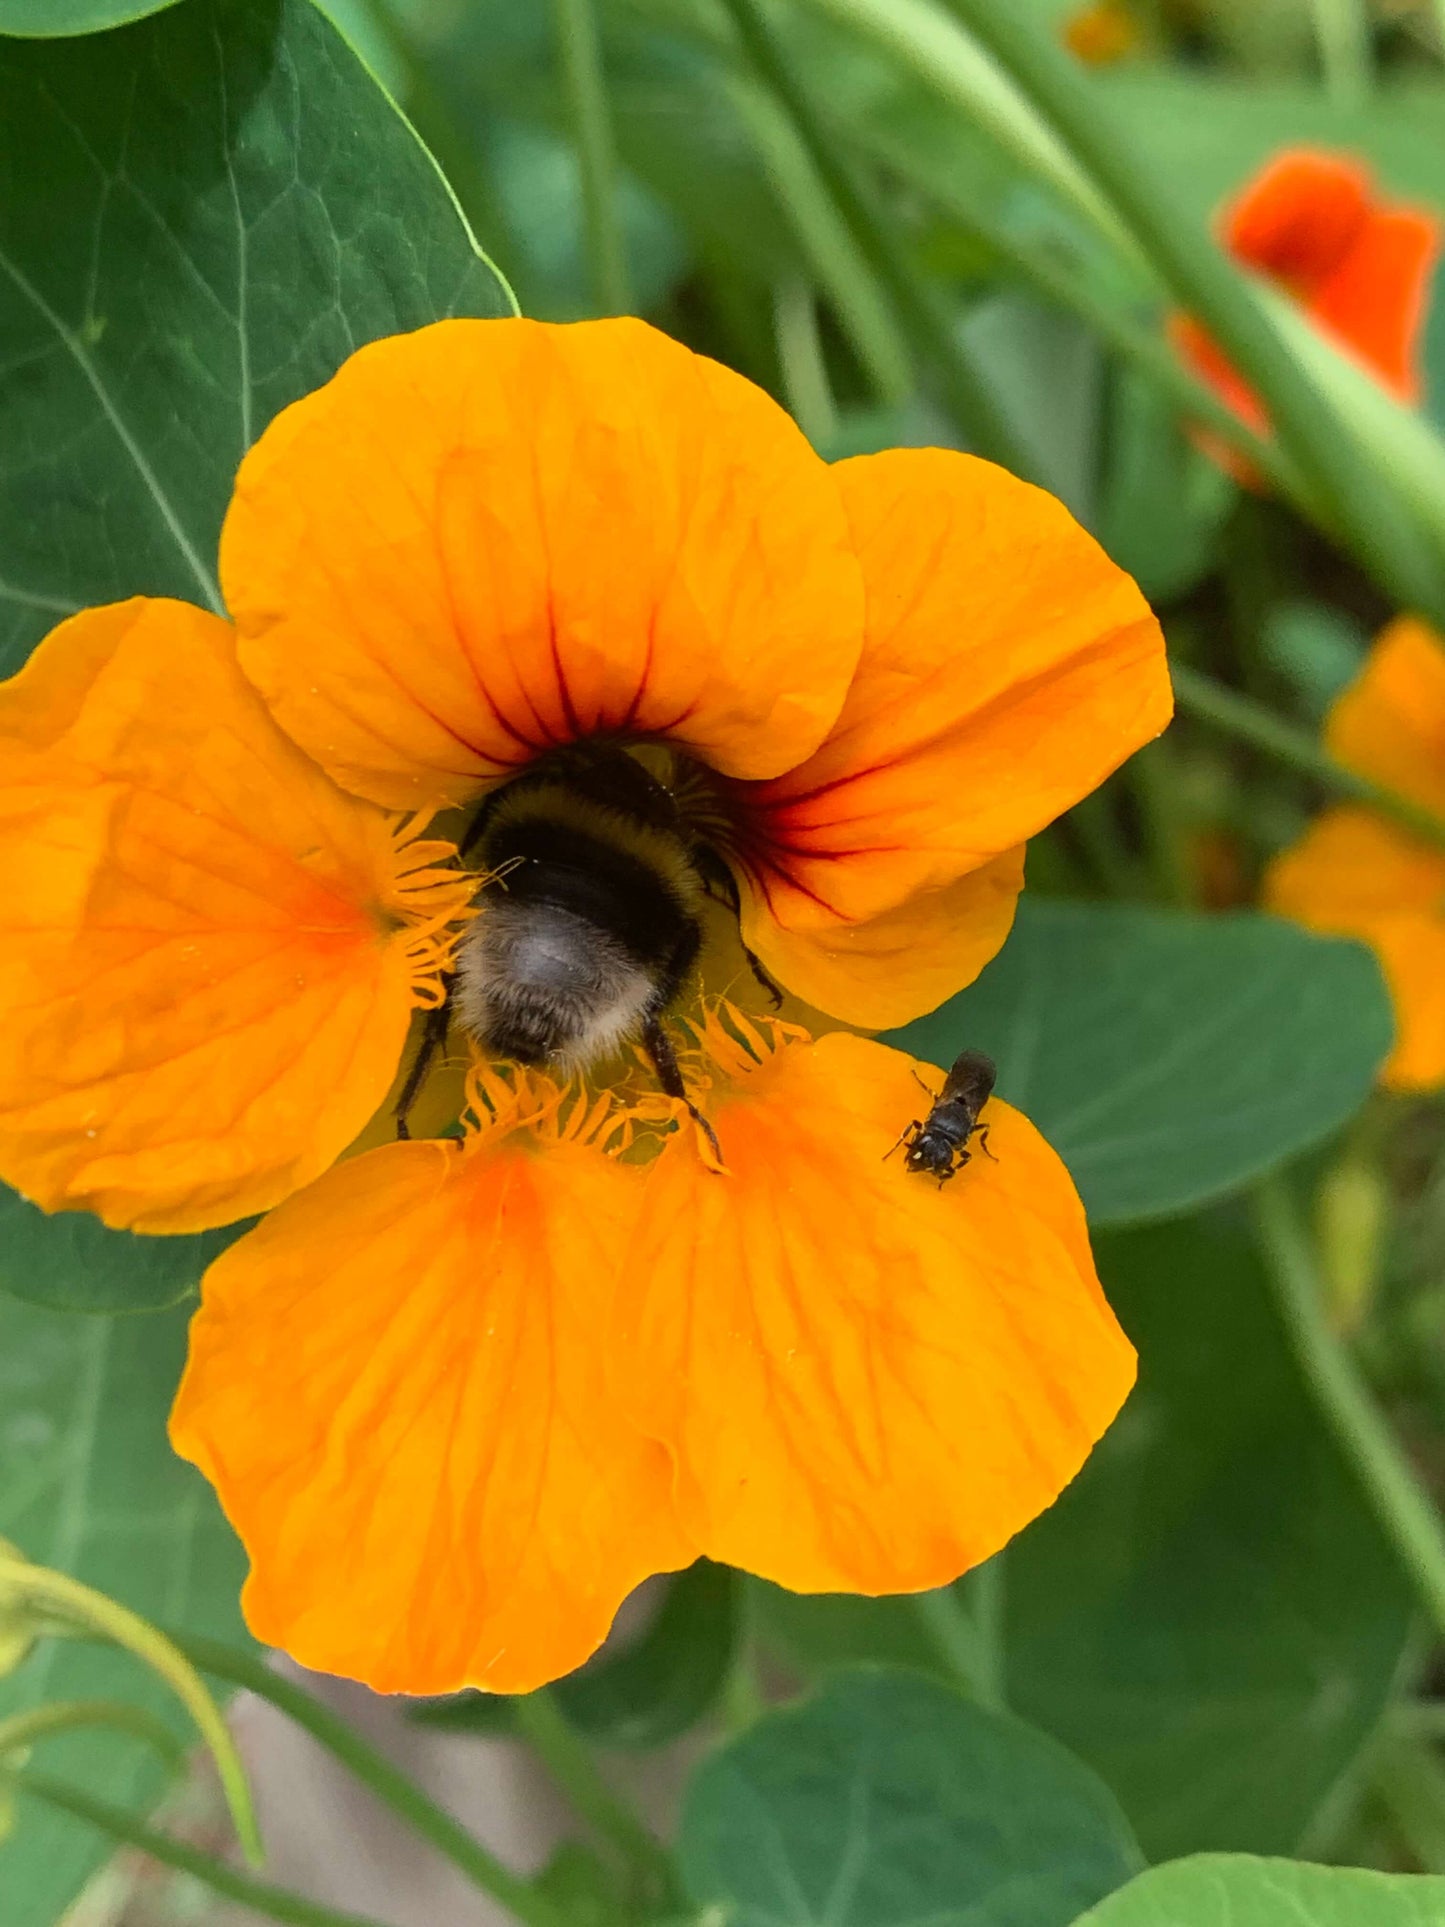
<point x="1102" y="32"/>
<point x="459" y="1395"/>
<point x="1355" y="873"/>
<point x="1359" y="265"/>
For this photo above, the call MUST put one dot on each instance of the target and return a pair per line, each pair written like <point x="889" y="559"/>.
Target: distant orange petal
<point x="1376" y="300"/>
<point x="490" y="537"/>
<point x="206" y="963"/>
<point x="1298" y="217"/>
<point x="869" y="1383"/>
<point x="892" y="968"/>
<point x="1360" y="267"/>
<point x="1390" y="722"/>
<point x="1354" y="875"/>
<point x="1009" y="667"/>
<point x="395" y="1387"/>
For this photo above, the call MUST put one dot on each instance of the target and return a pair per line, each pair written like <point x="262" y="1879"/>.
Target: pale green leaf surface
<point x="54" y="19"/>
<point x="891" y="1801"/>
<point x="1169" y="1058"/>
<point x="89" y="1485"/>
<point x="1235" y="1890"/>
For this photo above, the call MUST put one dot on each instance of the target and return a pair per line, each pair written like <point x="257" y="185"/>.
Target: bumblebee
<point x="595" y="927"/>
<point x="938" y="1144"/>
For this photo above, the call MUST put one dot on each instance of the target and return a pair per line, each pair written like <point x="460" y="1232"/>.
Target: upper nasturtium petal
<point x="868" y="1381"/>
<point x="487" y="539"/>
<point x="201" y="215"/>
<point x="205" y="983"/>
<point x="1008" y="667"/>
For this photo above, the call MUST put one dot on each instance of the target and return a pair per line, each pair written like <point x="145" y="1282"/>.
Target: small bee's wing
<point x="971" y="1079"/>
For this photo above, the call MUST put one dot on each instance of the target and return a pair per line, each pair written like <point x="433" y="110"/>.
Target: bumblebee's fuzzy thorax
<point x="594" y="926"/>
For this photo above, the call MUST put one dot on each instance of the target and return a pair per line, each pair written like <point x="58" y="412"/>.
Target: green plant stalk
<point x="83" y="1608"/>
<point x="1250" y="722"/>
<point x="965" y="394"/>
<point x="568" y="1759"/>
<point x="585" y="86"/>
<point x="800" y="356"/>
<point x="1342" y="34"/>
<point x="1402" y="1506"/>
<point x="392" y="1787"/>
<point x="22" y="1730"/>
<point x="964" y="1625"/>
<point x="826" y="240"/>
<point x="1154" y="782"/>
<point x="259" y="1895"/>
<point x="1208" y="285"/>
<point x="1408" y="1778"/>
<point x="1133" y="340"/>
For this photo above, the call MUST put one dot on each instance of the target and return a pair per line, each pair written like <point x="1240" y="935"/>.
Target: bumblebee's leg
<point x="433" y="1039"/>
<point x="721" y="885"/>
<point x="658" y="1045"/>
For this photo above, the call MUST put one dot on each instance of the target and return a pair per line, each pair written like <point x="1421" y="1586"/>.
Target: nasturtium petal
<point x="491" y="537"/>
<point x="891" y="968"/>
<point x="1008" y="667"/>
<point x="395" y="1385"/>
<point x="1390" y="722"/>
<point x="869" y="1382"/>
<point x="205" y="972"/>
<point x="1354" y="875"/>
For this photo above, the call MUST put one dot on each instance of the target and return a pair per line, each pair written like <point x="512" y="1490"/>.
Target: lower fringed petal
<point x="395" y="1385"/>
<point x="869" y="1382"/>
<point x="1354" y="875"/>
<point x="898" y="965"/>
<point x="208" y="953"/>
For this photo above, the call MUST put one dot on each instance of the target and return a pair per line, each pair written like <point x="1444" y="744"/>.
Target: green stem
<point x="1401" y="1504"/>
<point x="259" y="1895"/>
<point x="1151" y="776"/>
<point x="1250" y="722"/>
<point x="586" y="90"/>
<point x="81" y="1607"/>
<point x="966" y="395"/>
<point x="1067" y="285"/>
<point x="1207" y="284"/>
<point x="569" y="1761"/>
<point x="800" y="356"/>
<point x="387" y="1782"/>
<point x="1409" y="1780"/>
<point x="964" y="1624"/>
<point x="1342" y="33"/>
<point x="22" y="1730"/>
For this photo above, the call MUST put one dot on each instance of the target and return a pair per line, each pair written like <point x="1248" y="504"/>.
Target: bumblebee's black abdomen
<point x="592" y="924"/>
<point x="569" y="869"/>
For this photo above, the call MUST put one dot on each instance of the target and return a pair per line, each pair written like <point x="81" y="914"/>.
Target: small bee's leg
<point x="983" y="1130"/>
<point x="658" y="1045"/>
<point x="433" y="1040"/>
<point x="909" y="1134"/>
<point x="931" y="1095"/>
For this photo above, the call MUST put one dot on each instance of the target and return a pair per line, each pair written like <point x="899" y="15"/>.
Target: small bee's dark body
<point x="938" y="1144"/>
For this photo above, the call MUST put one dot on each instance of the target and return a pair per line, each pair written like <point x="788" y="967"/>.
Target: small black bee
<point x="939" y="1143"/>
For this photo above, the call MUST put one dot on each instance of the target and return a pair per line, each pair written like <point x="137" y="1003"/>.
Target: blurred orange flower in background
<point x="1355" y="873"/>
<point x="1359" y="265"/>
<point x="459" y="1396"/>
